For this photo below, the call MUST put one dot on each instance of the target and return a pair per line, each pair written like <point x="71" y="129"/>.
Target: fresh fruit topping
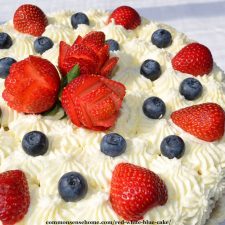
<point x="91" y="53"/>
<point x="172" y="146"/>
<point x="113" y="145"/>
<point x="93" y="101"/>
<point x="79" y="18"/>
<point x="154" y="108"/>
<point x="126" y="17"/>
<point x="195" y="59"/>
<point x="30" y="19"/>
<point x="204" y="121"/>
<point x="135" y="190"/>
<point x="190" y="88"/>
<point x="72" y="187"/>
<point x="161" y="38"/>
<point x="5" y="64"/>
<point x="32" y="85"/>
<point x="42" y="44"/>
<point x="14" y="196"/>
<point x="35" y="143"/>
<point x="113" y="45"/>
<point x="5" y="41"/>
<point x="150" y="69"/>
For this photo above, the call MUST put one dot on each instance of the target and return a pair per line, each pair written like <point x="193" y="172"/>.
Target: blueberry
<point x="72" y="187"/>
<point x="172" y="146"/>
<point x="35" y="143"/>
<point x="190" y="88"/>
<point x="161" y="38"/>
<point x="150" y="69"/>
<point x="113" y="45"/>
<point x="113" y="144"/>
<point x="5" y="41"/>
<point x="42" y="44"/>
<point x="79" y="18"/>
<point x="5" y="64"/>
<point x="154" y="108"/>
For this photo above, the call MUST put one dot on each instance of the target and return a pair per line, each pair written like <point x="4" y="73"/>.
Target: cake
<point x="190" y="180"/>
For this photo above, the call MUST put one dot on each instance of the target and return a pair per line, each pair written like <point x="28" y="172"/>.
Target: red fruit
<point x="204" y="121"/>
<point x="30" y="19"/>
<point x="195" y="59"/>
<point x="14" y="196"/>
<point x="109" y="66"/>
<point x="126" y="16"/>
<point x="32" y="85"/>
<point x="93" y="101"/>
<point x="135" y="190"/>
<point x="90" y="53"/>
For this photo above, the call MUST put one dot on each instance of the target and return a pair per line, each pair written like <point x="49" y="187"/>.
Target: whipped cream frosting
<point x="195" y="182"/>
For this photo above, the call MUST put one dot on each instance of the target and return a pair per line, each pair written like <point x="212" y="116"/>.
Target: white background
<point x="201" y="20"/>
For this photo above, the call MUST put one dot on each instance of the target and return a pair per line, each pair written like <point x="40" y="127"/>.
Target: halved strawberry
<point x="107" y="68"/>
<point x="63" y="49"/>
<point x="30" y="19"/>
<point x="32" y="85"/>
<point x="14" y="196"/>
<point x="93" y="101"/>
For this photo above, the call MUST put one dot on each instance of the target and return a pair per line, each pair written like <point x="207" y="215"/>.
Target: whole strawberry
<point x="93" y="101"/>
<point x="204" y="121"/>
<point x="125" y="16"/>
<point x="135" y="190"/>
<point x="14" y="196"/>
<point x="32" y="85"/>
<point x="195" y="59"/>
<point x="30" y="19"/>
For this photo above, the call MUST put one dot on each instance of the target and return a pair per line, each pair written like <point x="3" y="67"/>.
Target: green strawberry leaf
<point x="54" y="110"/>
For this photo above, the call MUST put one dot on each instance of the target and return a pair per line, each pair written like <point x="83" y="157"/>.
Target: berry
<point x="32" y="85"/>
<point x="172" y="146"/>
<point x="195" y="59"/>
<point x="72" y="187"/>
<point x="190" y="88"/>
<point x="126" y="17"/>
<point x="161" y="38"/>
<point x="30" y="19"/>
<point x="93" y="101"/>
<point x="150" y="69"/>
<point x="14" y="196"/>
<point x="90" y="53"/>
<point x="204" y="121"/>
<point x="5" y="41"/>
<point x="5" y="64"/>
<point x="35" y="143"/>
<point x="113" y="144"/>
<point x="79" y="18"/>
<point x="154" y="108"/>
<point x="42" y="44"/>
<point x="113" y="45"/>
<point x="135" y="190"/>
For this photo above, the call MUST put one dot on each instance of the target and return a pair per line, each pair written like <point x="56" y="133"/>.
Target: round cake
<point x="130" y="109"/>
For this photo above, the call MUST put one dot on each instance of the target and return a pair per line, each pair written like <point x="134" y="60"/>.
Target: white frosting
<point x="195" y="182"/>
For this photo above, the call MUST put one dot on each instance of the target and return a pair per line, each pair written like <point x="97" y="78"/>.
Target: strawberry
<point x="32" y="85"/>
<point x="14" y="196"/>
<point x="195" y="59"/>
<point x="93" y="101"/>
<point x="204" y="121"/>
<point x="90" y="53"/>
<point x="135" y="190"/>
<point x="30" y="19"/>
<point x="125" y="16"/>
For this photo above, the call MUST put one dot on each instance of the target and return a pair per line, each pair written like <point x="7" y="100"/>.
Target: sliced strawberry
<point x="135" y="190"/>
<point x="63" y="49"/>
<point x="14" y="197"/>
<point x="78" y="40"/>
<point x="108" y="67"/>
<point x="30" y="19"/>
<point x="32" y="85"/>
<point x="103" y="56"/>
<point x="94" y="104"/>
<point x="204" y="121"/>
